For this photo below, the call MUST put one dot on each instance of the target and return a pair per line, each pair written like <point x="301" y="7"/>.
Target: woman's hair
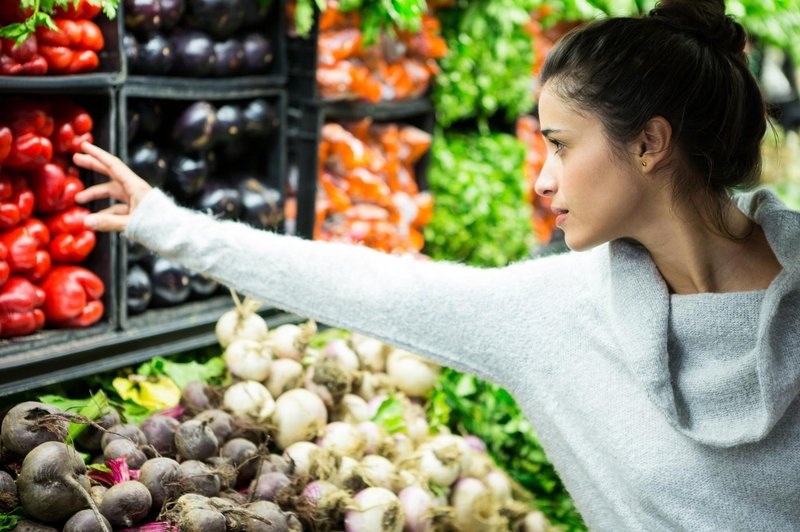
<point x="686" y="63"/>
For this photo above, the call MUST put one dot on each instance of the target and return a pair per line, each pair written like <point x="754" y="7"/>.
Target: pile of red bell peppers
<point x="71" y="49"/>
<point x="42" y="236"/>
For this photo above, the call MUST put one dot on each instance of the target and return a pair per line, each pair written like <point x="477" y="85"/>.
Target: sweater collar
<point x="640" y="312"/>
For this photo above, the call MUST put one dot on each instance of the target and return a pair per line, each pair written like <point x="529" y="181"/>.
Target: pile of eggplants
<point x="210" y="157"/>
<point x="198" y="38"/>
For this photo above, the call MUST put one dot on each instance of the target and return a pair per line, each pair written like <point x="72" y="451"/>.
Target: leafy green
<point x="320" y="339"/>
<point x="390" y="415"/>
<point x="8" y="521"/>
<point x="41" y="16"/>
<point x="90" y="408"/>
<point x="182" y="373"/>
<point x="481" y="215"/>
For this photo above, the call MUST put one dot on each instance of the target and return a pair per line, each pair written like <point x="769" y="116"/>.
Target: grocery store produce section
<point x="138" y="395"/>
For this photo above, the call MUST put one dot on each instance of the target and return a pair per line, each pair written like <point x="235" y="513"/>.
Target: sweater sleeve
<point x="466" y="318"/>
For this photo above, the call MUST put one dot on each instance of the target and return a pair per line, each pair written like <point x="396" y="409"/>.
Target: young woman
<point x="659" y="361"/>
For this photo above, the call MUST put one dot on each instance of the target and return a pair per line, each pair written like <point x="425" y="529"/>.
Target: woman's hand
<point x="125" y="187"/>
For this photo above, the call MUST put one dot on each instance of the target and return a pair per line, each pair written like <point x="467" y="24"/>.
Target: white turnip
<point x="310" y="460"/>
<point x="249" y="400"/>
<point x="285" y="374"/>
<point x="299" y="415"/>
<point x="248" y="359"/>
<point x="343" y="439"/>
<point x="29" y="424"/>
<point x="374" y="510"/>
<point x="474" y="507"/>
<point x="370" y="351"/>
<point x="241" y="322"/>
<point x="412" y="374"/>
<point x="289" y="341"/>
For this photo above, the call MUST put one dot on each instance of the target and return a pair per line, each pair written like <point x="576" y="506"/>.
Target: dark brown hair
<point x="686" y="63"/>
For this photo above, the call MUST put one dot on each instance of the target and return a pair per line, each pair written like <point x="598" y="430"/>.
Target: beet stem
<point x="77" y="486"/>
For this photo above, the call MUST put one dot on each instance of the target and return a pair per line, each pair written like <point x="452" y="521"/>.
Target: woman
<point x="660" y="365"/>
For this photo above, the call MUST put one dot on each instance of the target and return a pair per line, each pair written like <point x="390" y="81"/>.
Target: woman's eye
<point x="558" y="145"/>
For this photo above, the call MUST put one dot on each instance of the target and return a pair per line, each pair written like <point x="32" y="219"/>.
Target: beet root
<point x="126" y="503"/>
<point x="26" y="525"/>
<point x="86" y="521"/>
<point x="221" y="422"/>
<point x="159" y="476"/>
<point x="121" y="448"/>
<point x="160" y="432"/>
<point x="244" y="455"/>
<point x="202" y="520"/>
<point x="197" y="477"/>
<point x="125" y="432"/>
<point x="8" y="493"/>
<point x="91" y="438"/>
<point x="195" y="440"/>
<point x="29" y="424"/>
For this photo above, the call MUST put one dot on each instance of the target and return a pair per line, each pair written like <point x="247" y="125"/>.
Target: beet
<point x="244" y="455"/>
<point x="26" y="525"/>
<point x="195" y="440"/>
<point x="127" y="431"/>
<point x="90" y="439"/>
<point x="196" y="397"/>
<point x="268" y="485"/>
<point x="159" y="476"/>
<point x="202" y="520"/>
<point x="126" y="503"/>
<point x="156" y="56"/>
<point x="194" y="54"/>
<point x="8" y="493"/>
<point x="160" y="432"/>
<point x="224" y="470"/>
<point x="85" y="521"/>
<point x="98" y="492"/>
<point x="126" y="449"/>
<point x="276" y="519"/>
<point x="194" y="128"/>
<point x="228" y="58"/>
<point x="52" y="483"/>
<point x="257" y="54"/>
<point x="221" y="422"/>
<point x="196" y="477"/>
<point x="139" y="289"/>
<point x="29" y="424"/>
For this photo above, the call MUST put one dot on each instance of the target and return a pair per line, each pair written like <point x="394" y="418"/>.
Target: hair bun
<point x="705" y="20"/>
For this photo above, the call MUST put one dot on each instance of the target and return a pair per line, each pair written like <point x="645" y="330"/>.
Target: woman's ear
<point x="654" y="143"/>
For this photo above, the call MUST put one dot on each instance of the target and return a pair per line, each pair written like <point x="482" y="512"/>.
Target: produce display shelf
<point x="82" y="357"/>
<point x="206" y="84"/>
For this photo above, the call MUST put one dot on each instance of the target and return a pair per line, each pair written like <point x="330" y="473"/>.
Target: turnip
<point x="241" y="322"/>
<point x="197" y="397"/>
<point x="377" y="471"/>
<point x="244" y="455"/>
<point x="370" y="385"/>
<point x="159" y="476"/>
<point x="322" y="501"/>
<point x="268" y="486"/>
<point x="126" y="503"/>
<point x="289" y="341"/>
<point x="412" y="374"/>
<point x="160" y="433"/>
<point x="535" y="521"/>
<point x="418" y="508"/>
<point x="91" y="437"/>
<point x="8" y="493"/>
<point x="299" y="415"/>
<point x="86" y="521"/>
<point x="474" y="508"/>
<point x="499" y="484"/>
<point x="221" y="422"/>
<point x="127" y="431"/>
<point x="441" y="462"/>
<point x="196" y="477"/>
<point x="347" y="475"/>
<point x="310" y="460"/>
<point x="378" y="441"/>
<point x="250" y="400"/>
<point x="370" y="351"/>
<point x="126" y="449"/>
<point x="375" y="510"/>
<point x="248" y="359"/>
<point x="53" y="484"/>
<point x="346" y="358"/>
<point x="343" y="439"/>
<point x="31" y="423"/>
<point x="268" y="517"/>
<point x="194" y="440"/>
<point x="351" y="409"/>
<point x="328" y="379"/>
<point x="285" y="374"/>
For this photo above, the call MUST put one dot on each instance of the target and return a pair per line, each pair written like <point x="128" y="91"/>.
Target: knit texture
<point x="659" y="412"/>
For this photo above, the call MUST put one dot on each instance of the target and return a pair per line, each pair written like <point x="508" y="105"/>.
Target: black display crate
<point x="101" y="104"/>
<point x="111" y="71"/>
<point x="273" y="158"/>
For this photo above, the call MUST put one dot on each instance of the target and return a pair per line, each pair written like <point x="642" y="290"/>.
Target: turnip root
<point x="371" y="352"/>
<point x="343" y="439"/>
<point x="329" y="379"/>
<point x="249" y="400"/>
<point x="126" y="503"/>
<point x="535" y="521"/>
<point x="195" y="440"/>
<point x="196" y="477"/>
<point x="221" y="422"/>
<point x="322" y="502"/>
<point x="127" y="431"/>
<point x="299" y="415"/>
<point x="310" y="460"/>
<point x="126" y="449"/>
<point x="351" y="409"/>
<point x="160" y="433"/>
<point x="285" y="374"/>
<point x="375" y="510"/>
<point x="29" y="424"/>
<point x="419" y="509"/>
<point x="241" y="322"/>
<point x="86" y="521"/>
<point x="8" y="493"/>
<point x="244" y="455"/>
<point x="289" y="341"/>
<point x="248" y="359"/>
<point x="410" y="373"/>
<point x="91" y="437"/>
<point x="197" y="397"/>
<point x="53" y="484"/>
<point x="159" y="476"/>
<point x="474" y="508"/>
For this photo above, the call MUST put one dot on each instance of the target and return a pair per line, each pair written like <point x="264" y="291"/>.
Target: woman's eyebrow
<point x="549" y="131"/>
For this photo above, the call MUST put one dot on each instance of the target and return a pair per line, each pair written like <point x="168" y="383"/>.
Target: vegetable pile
<point x="368" y="191"/>
<point x="313" y="431"/>
<point x="42" y="237"/>
<point x="209" y="157"/>
<point x="198" y="38"/>
<point x="35" y="43"/>
<point x="385" y="66"/>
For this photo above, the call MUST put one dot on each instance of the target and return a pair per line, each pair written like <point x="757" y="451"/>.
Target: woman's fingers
<point x="110" y="189"/>
<point x="90" y="163"/>
<point x="106" y="220"/>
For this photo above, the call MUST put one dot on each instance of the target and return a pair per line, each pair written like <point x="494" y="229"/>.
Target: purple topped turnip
<point x="29" y="424"/>
<point x="126" y="503"/>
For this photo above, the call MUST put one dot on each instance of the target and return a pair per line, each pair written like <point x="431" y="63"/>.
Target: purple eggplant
<point x="229" y="56"/>
<point x="194" y="54"/>
<point x="220" y="199"/>
<point x="170" y="282"/>
<point x="136" y="252"/>
<point x="146" y="160"/>
<point x="229" y="128"/>
<point x="220" y="18"/>
<point x="131" y="47"/>
<point x="194" y="128"/>
<point x="151" y="114"/>
<point x="257" y="54"/>
<point x="261" y="205"/>
<point x="260" y="118"/>
<point x="152" y="15"/>
<point x="202" y="286"/>
<point x="255" y="13"/>
<point x="139" y="289"/>
<point x="133" y="122"/>
<point x="156" y="56"/>
<point x="171" y="13"/>
<point x="187" y="176"/>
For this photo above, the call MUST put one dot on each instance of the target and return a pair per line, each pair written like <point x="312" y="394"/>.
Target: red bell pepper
<point x="73" y="127"/>
<point x="6" y="139"/>
<point x="65" y="60"/>
<point x="31" y="124"/>
<point x="5" y="271"/>
<point x="70" y="241"/>
<point x="54" y="191"/>
<point x="72" y="297"/>
<point x="78" y="9"/>
<point x="16" y="200"/>
<point x="27" y="249"/>
<point x="23" y="59"/>
<point x="29" y="151"/>
<point x="11" y="11"/>
<point x="20" y="311"/>
<point x="75" y="34"/>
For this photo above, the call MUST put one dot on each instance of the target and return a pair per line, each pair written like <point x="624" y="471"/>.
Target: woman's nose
<point x="546" y="184"/>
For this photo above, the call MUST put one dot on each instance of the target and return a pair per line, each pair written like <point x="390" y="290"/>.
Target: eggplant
<point x="156" y="56"/>
<point x="255" y="13"/>
<point x="201" y="285"/>
<point x="260" y="118"/>
<point x="146" y="160"/>
<point x="229" y="56"/>
<point x="194" y="128"/>
<point x="229" y="128"/>
<point x="170" y="282"/>
<point x="144" y="16"/>
<point x="139" y="289"/>
<point x="220" y="18"/>
<point x="187" y="176"/>
<point x="220" y="199"/>
<point x="136" y="252"/>
<point x="131" y="47"/>
<point x="171" y="13"/>
<point x="257" y="54"/>
<point x="151" y="114"/>
<point x="194" y="54"/>
<point x="133" y="121"/>
<point x="261" y="205"/>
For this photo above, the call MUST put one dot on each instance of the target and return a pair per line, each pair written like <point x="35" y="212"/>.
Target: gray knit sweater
<point x="659" y="412"/>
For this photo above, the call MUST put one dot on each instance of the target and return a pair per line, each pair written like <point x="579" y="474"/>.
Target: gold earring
<point x="644" y="163"/>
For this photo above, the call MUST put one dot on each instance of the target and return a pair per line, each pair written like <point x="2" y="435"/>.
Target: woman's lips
<point x="561" y="215"/>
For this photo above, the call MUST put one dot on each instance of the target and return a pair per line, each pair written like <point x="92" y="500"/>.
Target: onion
<point x="343" y="439"/>
<point x="284" y="374"/>
<point x="249" y="399"/>
<point x="370" y="351"/>
<point x="241" y="322"/>
<point x="299" y="415"/>
<point x="474" y="508"/>
<point x="310" y="460"/>
<point x="374" y="510"/>
<point x="339" y="351"/>
<point x="248" y="359"/>
<point x="417" y="505"/>
<point x="290" y="340"/>
<point x="352" y="409"/>
<point x="412" y="374"/>
<point x="377" y="471"/>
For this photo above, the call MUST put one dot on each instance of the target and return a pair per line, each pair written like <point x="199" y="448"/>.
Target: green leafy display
<point x="390" y="415"/>
<point x="91" y="408"/>
<point x="481" y="215"/>
<point x="182" y="373"/>
<point x="41" y="16"/>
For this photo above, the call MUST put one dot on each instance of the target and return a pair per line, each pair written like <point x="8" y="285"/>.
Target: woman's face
<point x="598" y="197"/>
